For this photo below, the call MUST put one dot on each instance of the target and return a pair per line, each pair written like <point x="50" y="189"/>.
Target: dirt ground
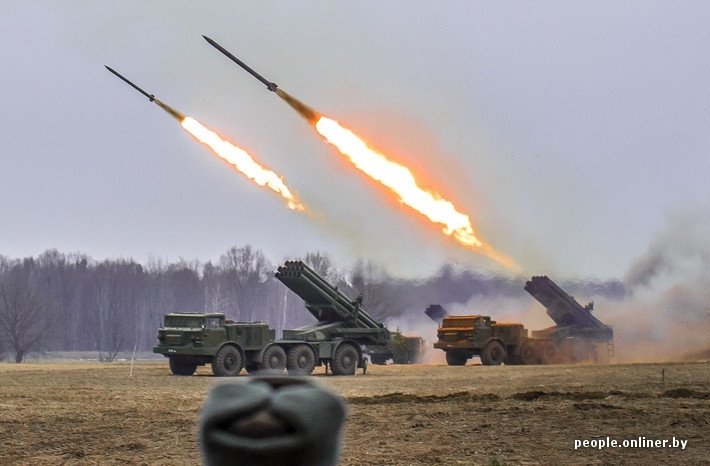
<point x="82" y="413"/>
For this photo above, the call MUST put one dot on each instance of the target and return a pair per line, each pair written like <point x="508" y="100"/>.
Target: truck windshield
<point x="184" y="321"/>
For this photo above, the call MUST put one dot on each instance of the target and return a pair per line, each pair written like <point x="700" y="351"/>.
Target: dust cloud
<point x="667" y="313"/>
<point x="660" y="310"/>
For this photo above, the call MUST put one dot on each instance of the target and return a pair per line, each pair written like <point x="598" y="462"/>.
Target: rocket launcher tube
<point x="345" y="307"/>
<point x="319" y="300"/>
<point x="298" y="271"/>
<point x="565" y="311"/>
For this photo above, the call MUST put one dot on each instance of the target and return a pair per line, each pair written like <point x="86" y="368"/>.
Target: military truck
<point x="463" y="337"/>
<point x="189" y="340"/>
<point x="573" y="339"/>
<point x="400" y="349"/>
<point x="336" y="340"/>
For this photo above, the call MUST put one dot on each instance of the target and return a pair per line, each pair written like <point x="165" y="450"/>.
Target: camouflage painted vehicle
<point x="336" y="339"/>
<point x="189" y="340"/>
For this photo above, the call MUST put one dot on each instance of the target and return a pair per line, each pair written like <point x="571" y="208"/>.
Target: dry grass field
<point x="82" y="413"/>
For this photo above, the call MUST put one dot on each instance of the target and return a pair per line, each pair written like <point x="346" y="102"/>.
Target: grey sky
<point x="572" y="133"/>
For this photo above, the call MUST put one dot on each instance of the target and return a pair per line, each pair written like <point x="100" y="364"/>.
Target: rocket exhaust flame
<point x="171" y="111"/>
<point x="399" y="179"/>
<point x="304" y="110"/>
<point x="242" y="161"/>
<point x="235" y="156"/>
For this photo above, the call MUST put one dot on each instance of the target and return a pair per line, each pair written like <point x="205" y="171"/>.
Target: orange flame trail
<point x="400" y="180"/>
<point x="241" y="161"/>
<point x="235" y="156"/>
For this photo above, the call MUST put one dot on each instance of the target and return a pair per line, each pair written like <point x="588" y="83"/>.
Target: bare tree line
<point x="69" y="302"/>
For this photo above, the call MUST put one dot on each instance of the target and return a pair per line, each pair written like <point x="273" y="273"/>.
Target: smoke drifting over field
<point x="667" y="313"/>
<point x="660" y="311"/>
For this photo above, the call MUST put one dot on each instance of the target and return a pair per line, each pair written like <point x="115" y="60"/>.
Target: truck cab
<point x="192" y="339"/>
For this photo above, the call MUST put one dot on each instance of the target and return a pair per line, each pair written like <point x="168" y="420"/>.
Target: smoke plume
<point x="667" y="315"/>
<point x="660" y="311"/>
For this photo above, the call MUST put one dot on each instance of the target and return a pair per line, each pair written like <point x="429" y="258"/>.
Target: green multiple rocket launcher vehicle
<point x="337" y="339"/>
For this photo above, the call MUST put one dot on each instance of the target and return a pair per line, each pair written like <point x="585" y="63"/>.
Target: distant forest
<point x="69" y="302"/>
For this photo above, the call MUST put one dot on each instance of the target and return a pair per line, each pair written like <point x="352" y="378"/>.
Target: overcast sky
<point x="573" y="133"/>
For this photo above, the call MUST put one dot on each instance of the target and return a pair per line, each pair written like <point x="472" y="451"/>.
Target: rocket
<point x="269" y="85"/>
<point x="151" y="97"/>
<point x="179" y="116"/>
<point x="304" y="110"/>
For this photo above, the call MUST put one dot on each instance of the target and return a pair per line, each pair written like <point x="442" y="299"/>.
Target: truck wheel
<point x="493" y="354"/>
<point x="345" y="360"/>
<point x="273" y="359"/>
<point x="227" y="362"/>
<point x="180" y="366"/>
<point x="301" y="360"/>
<point x="454" y="358"/>
<point x="530" y="353"/>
